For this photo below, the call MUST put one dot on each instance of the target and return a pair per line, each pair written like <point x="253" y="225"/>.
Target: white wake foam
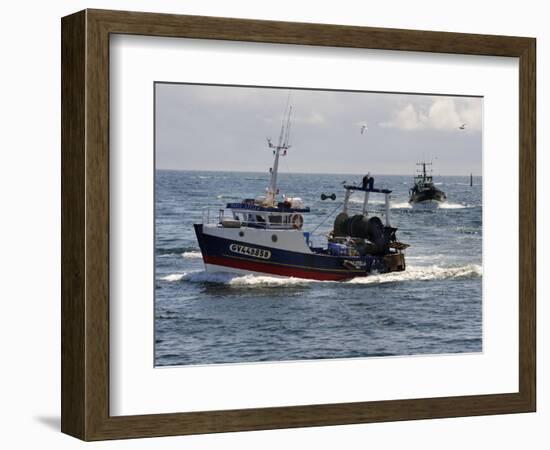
<point x="401" y="205"/>
<point x="261" y="280"/>
<point x="230" y="197"/>
<point x="192" y="255"/>
<point x="422" y="274"/>
<point x="360" y="200"/>
<point x="418" y="273"/>
<point x="447" y="205"/>
<point x="393" y="205"/>
<point x="201" y="276"/>
<point x="173" y="277"/>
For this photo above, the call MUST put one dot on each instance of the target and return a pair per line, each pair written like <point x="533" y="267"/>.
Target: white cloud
<point x="442" y="114"/>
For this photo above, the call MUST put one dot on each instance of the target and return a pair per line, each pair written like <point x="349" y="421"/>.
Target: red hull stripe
<point x="277" y="270"/>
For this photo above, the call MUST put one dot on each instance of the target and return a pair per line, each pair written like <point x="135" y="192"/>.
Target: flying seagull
<point x="363" y="128"/>
<point x="462" y="127"/>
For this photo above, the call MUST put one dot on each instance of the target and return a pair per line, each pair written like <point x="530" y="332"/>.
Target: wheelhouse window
<point x="275" y="220"/>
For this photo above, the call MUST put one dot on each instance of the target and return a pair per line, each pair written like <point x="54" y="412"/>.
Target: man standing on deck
<point x="368" y="181"/>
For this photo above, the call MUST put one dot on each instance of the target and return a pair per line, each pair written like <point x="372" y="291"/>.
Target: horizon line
<point x="307" y="173"/>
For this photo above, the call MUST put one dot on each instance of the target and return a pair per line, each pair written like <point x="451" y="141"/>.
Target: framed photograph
<point x="273" y="225"/>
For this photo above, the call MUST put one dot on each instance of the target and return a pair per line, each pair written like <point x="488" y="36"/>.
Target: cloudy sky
<point x="225" y="128"/>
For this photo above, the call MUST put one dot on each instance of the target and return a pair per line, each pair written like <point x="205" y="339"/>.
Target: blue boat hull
<point x="243" y="256"/>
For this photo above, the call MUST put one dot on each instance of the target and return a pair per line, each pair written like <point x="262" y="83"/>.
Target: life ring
<point x="297" y="221"/>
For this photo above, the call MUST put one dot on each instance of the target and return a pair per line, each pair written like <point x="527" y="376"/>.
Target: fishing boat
<point x="424" y="190"/>
<point x="265" y="235"/>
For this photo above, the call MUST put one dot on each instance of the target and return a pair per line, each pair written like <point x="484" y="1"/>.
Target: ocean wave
<point x="393" y="205"/>
<point x="173" y="277"/>
<point x="227" y="197"/>
<point x="192" y="255"/>
<point x="427" y="273"/>
<point x="160" y="251"/>
<point x="468" y="230"/>
<point x="174" y="251"/>
<point x="425" y="257"/>
<point x="360" y="200"/>
<point x="401" y="205"/>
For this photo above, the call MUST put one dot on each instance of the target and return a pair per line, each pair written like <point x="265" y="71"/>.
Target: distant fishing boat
<point x="424" y="190"/>
<point x="264" y="235"/>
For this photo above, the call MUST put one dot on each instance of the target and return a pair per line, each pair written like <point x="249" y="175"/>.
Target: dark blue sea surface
<point x="434" y="307"/>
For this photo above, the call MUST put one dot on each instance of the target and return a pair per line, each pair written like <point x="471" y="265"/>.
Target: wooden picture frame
<point x="85" y="224"/>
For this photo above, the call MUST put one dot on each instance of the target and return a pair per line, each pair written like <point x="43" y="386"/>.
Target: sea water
<point x="434" y="307"/>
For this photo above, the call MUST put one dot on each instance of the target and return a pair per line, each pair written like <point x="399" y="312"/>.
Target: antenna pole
<point x="283" y="144"/>
<point x="365" y="203"/>
<point x="272" y="191"/>
<point x="387" y="198"/>
<point x="346" y="201"/>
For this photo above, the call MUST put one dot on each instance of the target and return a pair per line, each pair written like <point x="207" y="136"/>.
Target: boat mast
<point x="424" y="174"/>
<point x="283" y="145"/>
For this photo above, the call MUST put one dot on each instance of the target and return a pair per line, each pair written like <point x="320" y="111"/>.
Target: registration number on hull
<point x="250" y="251"/>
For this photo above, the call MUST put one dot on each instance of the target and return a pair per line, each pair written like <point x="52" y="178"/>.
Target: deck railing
<point x="208" y="218"/>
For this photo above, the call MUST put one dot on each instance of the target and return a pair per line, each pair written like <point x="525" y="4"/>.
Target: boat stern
<point x="395" y="262"/>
